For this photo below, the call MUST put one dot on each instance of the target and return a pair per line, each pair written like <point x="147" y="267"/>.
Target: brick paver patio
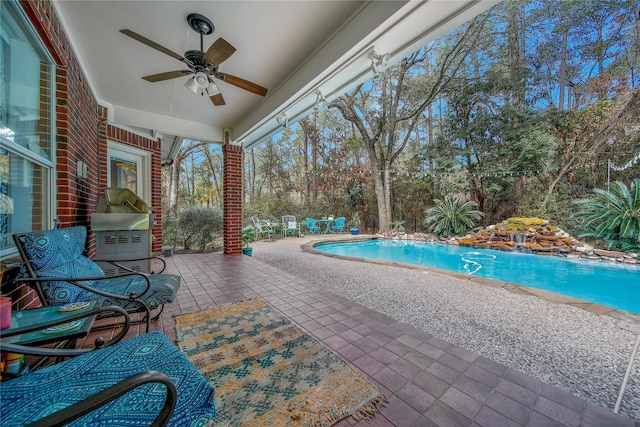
<point x="428" y="381"/>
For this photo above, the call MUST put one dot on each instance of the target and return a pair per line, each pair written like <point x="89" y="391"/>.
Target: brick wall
<point x="81" y="132"/>
<point x="122" y="136"/>
<point x="232" y="191"/>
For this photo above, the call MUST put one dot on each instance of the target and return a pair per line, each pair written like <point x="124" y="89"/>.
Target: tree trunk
<point x="174" y="176"/>
<point x="380" y="198"/>
<point x="515" y="59"/>
<point x="307" y="181"/>
<point x="562" y="78"/>
<point x="387" y="198"/>
<point x="214" y="177"/>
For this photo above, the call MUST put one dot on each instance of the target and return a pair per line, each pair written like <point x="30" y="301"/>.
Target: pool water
<point x="611" y="284"/>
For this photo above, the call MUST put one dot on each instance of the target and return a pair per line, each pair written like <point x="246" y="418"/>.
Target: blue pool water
<point x="612" y="284"/>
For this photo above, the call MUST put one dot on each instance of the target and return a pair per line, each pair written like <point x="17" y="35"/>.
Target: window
<point x="26" y="136"/>
<point x="129" y="167"/>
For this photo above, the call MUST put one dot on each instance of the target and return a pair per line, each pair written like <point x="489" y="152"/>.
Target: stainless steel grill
<point x="122" y="223"/>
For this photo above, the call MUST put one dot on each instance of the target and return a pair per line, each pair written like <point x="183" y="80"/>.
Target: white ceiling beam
<point x="166" y="125"/>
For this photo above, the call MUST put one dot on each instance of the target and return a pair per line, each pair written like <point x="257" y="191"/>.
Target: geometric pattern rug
<point x="268" y="372"/>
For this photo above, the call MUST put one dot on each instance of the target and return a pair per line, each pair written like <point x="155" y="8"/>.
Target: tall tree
<point x="215" y="163"/>
<point x="386" y="111"/>
<point x="311" y="141"/>
<point x="174" y="175"/>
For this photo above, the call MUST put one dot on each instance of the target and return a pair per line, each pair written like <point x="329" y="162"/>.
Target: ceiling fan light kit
<point x="191" y="85"/>
<point x="203" y="65"/>
<point x="201" y="80"/>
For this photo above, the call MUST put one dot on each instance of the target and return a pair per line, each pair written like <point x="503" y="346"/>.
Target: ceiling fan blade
<point x="154" y="45"/>
<point x="219" y="51"/>
<point x="217" y="99"/>
<point x="242" y="83"/>
<point x="167" y="75"/>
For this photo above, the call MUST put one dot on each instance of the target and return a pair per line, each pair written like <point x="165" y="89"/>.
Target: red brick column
<point x="232" y="193"/>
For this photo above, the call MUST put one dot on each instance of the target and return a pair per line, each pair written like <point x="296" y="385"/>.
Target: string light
<point x="501" y="174"/>
<point x="627" y="165"/>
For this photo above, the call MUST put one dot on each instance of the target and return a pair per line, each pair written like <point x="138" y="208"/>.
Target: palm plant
<point x="613" y="216"/>
<point x="397" y="226"/>
<point x="452" y="217"/>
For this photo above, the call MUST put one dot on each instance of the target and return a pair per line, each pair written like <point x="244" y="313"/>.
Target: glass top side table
<point x="46" y="315"/>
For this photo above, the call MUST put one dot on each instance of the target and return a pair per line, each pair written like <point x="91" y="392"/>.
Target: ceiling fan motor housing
<point x="200" y="24"/>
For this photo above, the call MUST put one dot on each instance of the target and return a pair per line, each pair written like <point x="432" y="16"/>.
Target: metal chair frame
<point x="286" y="220"/>
<point x="31" y="278"/>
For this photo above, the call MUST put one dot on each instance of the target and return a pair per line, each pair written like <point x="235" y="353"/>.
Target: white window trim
<point x="49" y="164"/>
<point x="132" y="153"/>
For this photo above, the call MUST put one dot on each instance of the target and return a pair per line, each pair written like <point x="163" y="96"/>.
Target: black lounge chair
<point x="54" y="265"/>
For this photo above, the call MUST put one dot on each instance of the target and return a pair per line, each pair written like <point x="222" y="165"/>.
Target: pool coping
<point x="628" y="321"/>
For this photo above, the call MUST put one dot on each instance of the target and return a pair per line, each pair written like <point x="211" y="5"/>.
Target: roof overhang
<point x="332" y="72"/>
<point x="302" y="51"/>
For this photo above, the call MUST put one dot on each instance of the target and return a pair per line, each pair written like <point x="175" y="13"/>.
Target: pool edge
<point x="594" y="308"/>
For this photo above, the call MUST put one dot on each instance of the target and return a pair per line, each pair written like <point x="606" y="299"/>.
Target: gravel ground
<point x="568" y="347"/>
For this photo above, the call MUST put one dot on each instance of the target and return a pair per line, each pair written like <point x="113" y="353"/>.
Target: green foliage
<point x="451" y="217"/>
<point x="199" y="226"/>
<point x="613" y="216"/>
<point x="498" y="132"/>
<point x="169" y="230"/>
<point x="355" y="220"/>
<point x="557" y="210"/>
<point x="397" y="226"/>
<point x="248" y="235"/>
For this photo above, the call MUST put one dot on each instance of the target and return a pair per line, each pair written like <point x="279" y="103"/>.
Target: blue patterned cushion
<point x="58" y="253"/>
<point x="52" y="249"/>
<point x="30" y="397"/>
<point x="162" y="291"/>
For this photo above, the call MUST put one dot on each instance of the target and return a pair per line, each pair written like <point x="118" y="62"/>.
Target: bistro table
<point x="274" y="226"/>
<point x="327" y="224"/>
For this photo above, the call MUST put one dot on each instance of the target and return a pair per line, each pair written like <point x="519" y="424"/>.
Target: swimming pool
<point x="611" y="284"/>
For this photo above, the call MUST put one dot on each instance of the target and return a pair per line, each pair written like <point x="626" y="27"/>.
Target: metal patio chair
<point x="338" y="225"/>
<point x="313" y="226"/>
<point x="259" y="230"/>
<point x="142" y="381"/>
<point x="289" y="224"/>
<point x="54" y="265"/>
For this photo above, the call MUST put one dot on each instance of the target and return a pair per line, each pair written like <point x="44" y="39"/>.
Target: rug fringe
<point x="371" y="408"/>
<point x="365" y="412"/>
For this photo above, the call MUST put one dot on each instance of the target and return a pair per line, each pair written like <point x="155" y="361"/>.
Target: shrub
<point x="397" y="226"/>
<point x="452" y="217"/>
<point x="170" y="230"/>
<point x="199" y="226"/>
<point x="613" y="216"/>
<point x="248" y="235"/>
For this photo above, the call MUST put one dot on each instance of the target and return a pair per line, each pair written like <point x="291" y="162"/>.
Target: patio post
<point x="232" y="193"/>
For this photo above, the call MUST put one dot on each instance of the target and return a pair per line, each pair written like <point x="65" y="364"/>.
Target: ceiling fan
<point x="203" y="65"/>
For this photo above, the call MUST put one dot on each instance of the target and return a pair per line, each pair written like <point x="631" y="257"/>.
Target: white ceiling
<point x="292" y="48"/>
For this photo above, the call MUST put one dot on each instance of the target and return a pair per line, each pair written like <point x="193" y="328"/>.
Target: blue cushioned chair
<point x="313" y="226"/>
<point x="290" y="225"/>
<point x="56" y="255"/>
<point x="139" y="382"/>
<point x="338" y="225"/>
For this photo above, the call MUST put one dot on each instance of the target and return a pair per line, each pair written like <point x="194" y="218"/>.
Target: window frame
<point x="143" y="160"/>
<point x="48" y="165"/>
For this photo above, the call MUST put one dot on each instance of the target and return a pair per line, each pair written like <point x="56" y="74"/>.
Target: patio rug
<point x="268" y="372"/>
